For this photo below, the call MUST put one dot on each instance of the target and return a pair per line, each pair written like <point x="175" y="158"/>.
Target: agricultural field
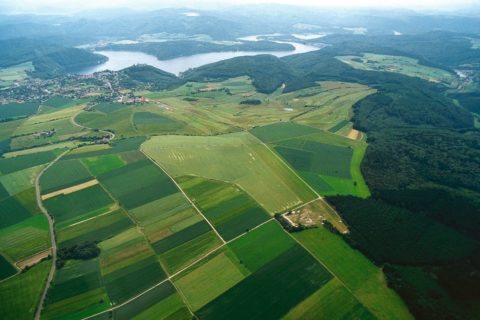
<point x="53" y="125"/>
<point x="403" y="65"/>
<point x="20" y="294"/>
<point x="226" y="206"/>
<point x="327" y="162"/>
<point x="366" y="281"/>
<point x="324" y="106"/>
<point x="17" y="110"/>
<point x="10" y="75"/>
<point x="173" y="218"/>
<point x="257" y="170"/>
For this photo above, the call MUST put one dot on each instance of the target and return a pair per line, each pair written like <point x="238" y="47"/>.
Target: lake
<point x="118" y="60"/>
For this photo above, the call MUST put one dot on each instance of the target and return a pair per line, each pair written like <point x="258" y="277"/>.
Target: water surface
<point x="118" y="60"/>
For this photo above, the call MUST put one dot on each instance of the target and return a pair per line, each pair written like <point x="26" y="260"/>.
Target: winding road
<point x="51" y="222"/>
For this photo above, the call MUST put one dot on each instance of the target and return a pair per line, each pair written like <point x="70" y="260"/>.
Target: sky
<point x="68" y="6"/>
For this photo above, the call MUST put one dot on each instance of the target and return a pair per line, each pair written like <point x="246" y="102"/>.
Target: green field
<point x="188" y="252"/>
<point x="25" y="238"/>
<point x="165" y="216"/>
<point x="77" y="291"/>
<point x="203" y="283"/>
<point x="290" y="277"/>
<point x="6" y="268"/>
<point x="237" y="158"/>
<point x="162" y="302"/>
<point x="77" y="204"/>
<point x="404" y="65"/>
<point x="226" y="206"/>
<point x="261" y="245"/>
<point x="12" y="212"/>
<point x="19" y="181"/>
<point x="17" y="110"/>
<point x="20" y="294"/>
<point x="365" y="280"/>
<point x="94" y="229"/>
<point x="100" y="165"/>
<point x="15" y="73"/>
<point x="333" y="301"/>
<point x="64" y="174"/>
<point x="10" y="165"/>
<point x="327" y="162"/>
<point x="126" y="282"/>
<point x="137" y="183"/>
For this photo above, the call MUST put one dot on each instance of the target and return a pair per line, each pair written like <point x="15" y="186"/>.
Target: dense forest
<point x="148" y="77"/>
<point x="49" y="60"/>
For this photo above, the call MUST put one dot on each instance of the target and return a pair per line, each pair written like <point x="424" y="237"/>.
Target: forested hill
<point x="49" y="59"/>
<point x="174" y="49"/>
<point x="148" y="77"/>
<point x="268" y="72"/>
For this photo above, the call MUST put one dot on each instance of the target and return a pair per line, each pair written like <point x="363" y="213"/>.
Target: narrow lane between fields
<point x="51" y="222"/>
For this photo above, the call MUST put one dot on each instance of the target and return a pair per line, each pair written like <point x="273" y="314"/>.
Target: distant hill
<point x="268" y="72"/>
<point x="148" y="77"/>
<point x="174" y="49"/>
<point x="49" y="60"/>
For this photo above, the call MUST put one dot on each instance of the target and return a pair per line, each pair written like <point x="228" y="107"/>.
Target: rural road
<point x="38" y="312"/>
<point x="75" y="123"/>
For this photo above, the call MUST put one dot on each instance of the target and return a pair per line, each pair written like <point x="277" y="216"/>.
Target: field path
<point x="169" y="278"/>
<point x="38" y="312"/>
<point x="75" y="123"/>
<point x="301" y="179"/>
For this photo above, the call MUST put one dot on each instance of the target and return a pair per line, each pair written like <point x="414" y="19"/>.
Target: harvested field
<point x="69" y="190"/>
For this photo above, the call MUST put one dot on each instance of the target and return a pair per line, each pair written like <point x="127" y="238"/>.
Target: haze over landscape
<point x="239" y="160"/>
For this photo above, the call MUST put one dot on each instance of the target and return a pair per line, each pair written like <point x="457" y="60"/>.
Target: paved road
<point x="52" y="236"/>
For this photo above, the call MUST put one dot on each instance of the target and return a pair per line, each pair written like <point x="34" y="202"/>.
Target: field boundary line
<point x="326" y="267"/>
<point x="170" y="278"/>
<point x="186" y="196"/>
<point x="51" y="222"/>
<point x="291" y="169"/>
<point x="75" y="123"/>
<point x="286" y="164"/>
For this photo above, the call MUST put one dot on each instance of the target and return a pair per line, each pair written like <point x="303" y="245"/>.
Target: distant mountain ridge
<point x="49" y="59"/>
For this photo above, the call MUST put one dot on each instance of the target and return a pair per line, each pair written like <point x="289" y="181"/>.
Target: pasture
<point x="236" y="158"/>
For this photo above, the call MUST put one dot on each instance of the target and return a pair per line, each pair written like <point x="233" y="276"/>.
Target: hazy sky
<point x="78" y="5"/>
